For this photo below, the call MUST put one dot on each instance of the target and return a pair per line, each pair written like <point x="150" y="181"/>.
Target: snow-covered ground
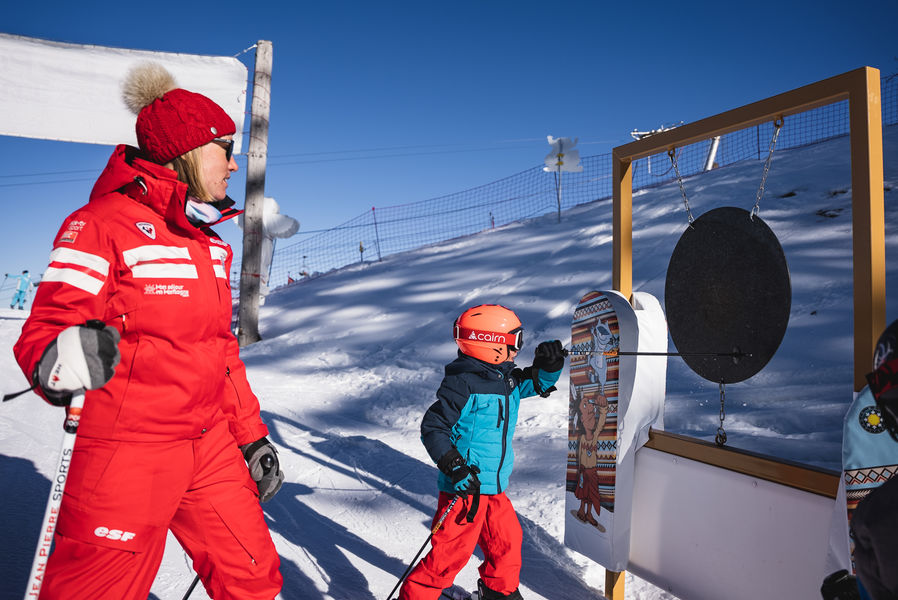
<point x="350" y="361"/>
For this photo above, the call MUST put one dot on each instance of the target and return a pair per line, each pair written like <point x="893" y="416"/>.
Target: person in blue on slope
<point x="22" y="288"/>
<point x="468" y="433"/>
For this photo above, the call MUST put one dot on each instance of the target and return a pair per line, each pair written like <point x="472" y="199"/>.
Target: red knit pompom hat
<point x="171" y="120"/>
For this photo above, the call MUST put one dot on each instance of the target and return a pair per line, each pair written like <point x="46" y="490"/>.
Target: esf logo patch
<point x="114" y="534"/>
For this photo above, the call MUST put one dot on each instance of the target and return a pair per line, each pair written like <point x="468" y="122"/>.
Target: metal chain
<point x="673" y="159"/>
<point x="777" y="124"/>
<point x="721" y="438"/>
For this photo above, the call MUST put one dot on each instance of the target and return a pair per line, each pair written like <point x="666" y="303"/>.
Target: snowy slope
<point x="350" y="361"/>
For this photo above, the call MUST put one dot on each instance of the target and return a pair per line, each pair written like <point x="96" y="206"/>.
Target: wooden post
<point x="614" y="585"/>
<point x="622" y="226"/>
<point x="867" y="219"/>
<point x="250" y="276"/>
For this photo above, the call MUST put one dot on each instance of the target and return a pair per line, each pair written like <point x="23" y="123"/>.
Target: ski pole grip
<point x="267" y="463"/>
<point x="73" y="412"/>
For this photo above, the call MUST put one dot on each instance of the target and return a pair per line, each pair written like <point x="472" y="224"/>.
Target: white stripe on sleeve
<point x="68" y="266"/>
<point x="82" y="259"/>
<point x="80" y="280"/>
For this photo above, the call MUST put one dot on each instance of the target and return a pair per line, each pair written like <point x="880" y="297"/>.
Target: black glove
<point x="82" y="356"/>
<point x="262" y="460"/>
<point x="549" y="356"/>
<point x="463" y="476"/>
<point x="840" y="585"/>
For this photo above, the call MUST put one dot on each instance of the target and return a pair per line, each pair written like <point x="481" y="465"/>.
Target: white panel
<point x="706" y="533"/>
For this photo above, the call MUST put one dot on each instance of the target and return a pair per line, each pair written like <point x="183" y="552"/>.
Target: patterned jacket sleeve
<point x="74" y="287"/>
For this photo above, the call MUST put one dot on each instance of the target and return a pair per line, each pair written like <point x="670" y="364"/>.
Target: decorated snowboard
<point x="592" y="424"/>
<point x="606" y="390"/>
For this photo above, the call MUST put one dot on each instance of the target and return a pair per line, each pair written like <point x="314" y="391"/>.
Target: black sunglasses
<point x="228" y="146"/>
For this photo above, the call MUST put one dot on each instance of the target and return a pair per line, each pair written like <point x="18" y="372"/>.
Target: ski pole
<point x="435" y="528"/>
<point x="196" y="580"/>
<point x="736" y="354"/>
<point x="267" y="462"/>
<point x="57" y="485"/>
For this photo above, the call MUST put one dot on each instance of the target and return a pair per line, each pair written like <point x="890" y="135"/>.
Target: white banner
<point x="72" y="92"/>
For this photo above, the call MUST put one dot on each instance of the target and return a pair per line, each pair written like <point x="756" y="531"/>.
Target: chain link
<point x="721" y="438"/>
<point x="673" y="159"/>
<point x="777" y="125"/>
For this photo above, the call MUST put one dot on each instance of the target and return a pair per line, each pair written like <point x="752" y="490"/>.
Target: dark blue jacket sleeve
<point x="436" y="426"/>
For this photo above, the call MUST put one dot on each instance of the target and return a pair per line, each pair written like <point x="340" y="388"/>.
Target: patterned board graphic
<point x="592" y="417"/>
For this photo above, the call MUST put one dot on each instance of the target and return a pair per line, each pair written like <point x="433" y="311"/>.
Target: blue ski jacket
<point x="24" y="281"/>
<point x="476" y="412"/>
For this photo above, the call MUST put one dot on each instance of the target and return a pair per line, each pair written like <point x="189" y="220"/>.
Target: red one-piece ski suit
<point x="158" y="445"/>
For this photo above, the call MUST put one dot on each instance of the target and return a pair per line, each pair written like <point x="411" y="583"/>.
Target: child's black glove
<point x="549" y="356"/>
<point x="463" y="476"/>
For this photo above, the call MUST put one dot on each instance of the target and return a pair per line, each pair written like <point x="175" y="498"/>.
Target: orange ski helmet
<point x="487" y="332"/>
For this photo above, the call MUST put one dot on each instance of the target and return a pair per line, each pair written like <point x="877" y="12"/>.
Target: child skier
<point x="468" y="433"/>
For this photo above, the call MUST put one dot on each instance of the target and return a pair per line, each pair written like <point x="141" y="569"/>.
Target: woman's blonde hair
<point x="189" y="167"/>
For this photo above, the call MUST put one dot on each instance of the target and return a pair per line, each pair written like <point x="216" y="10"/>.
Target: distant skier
<point x="468" y="433"/>
<point x="23" y="286"/>
<point x="874" y="524"/>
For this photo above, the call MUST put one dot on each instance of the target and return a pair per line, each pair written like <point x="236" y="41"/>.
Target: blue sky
<point x="378" y="104"/>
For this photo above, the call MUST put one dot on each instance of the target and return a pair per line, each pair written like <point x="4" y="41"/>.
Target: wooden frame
<point x="861" y="88"/>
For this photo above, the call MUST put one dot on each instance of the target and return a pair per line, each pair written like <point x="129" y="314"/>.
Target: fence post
<point x="376" y="235"/>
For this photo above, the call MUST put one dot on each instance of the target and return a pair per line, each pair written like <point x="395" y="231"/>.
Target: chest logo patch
<point x="147" y="229"/>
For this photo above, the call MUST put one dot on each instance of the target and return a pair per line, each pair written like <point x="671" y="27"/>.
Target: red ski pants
<point x="120" y="500"/>
<point x="495" y="529"/>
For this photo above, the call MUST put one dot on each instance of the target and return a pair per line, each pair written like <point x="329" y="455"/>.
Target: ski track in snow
<point x="349" y="361"/>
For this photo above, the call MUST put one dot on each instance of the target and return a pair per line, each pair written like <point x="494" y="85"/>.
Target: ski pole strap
<point x="475" y="504"/>
<point x="17" y="394"/>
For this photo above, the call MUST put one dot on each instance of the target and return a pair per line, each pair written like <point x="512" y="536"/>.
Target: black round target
<point x="727" y="290"/>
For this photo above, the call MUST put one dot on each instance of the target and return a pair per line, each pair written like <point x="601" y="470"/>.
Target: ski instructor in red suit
<point x="135" y="307"/>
